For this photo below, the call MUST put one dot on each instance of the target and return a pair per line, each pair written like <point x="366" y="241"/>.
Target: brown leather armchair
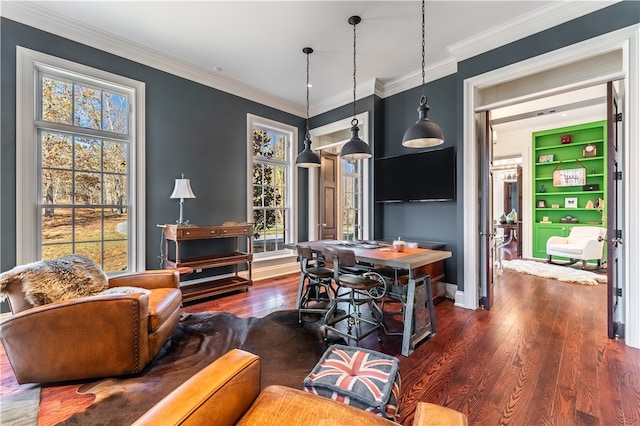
<point x="227" y="392"/>
<point x="94" y="336"/>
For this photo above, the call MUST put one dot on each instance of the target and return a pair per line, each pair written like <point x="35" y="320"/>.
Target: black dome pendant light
<point x="355" y="148"/>
<point x="307" y="158"/>
<point x="424" y="133"/>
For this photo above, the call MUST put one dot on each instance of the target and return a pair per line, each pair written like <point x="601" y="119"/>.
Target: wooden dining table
<point x="416" y="325"/>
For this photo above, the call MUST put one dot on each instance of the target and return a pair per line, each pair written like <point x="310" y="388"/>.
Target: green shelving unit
<point x="558" y="190"/>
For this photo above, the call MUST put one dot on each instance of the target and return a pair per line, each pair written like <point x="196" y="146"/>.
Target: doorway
<point x="624" y="44"/>
<point x="349" y="184"/>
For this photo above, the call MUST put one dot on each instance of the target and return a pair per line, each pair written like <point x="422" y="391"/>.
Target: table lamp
<point x="182" y="190"/>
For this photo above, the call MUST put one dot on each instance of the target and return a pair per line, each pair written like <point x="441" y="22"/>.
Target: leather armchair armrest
<point x="68" y="340"/>
<point x="219" y="394"/>
<point x="428" y="414"/>
<point x="161" y="278"/>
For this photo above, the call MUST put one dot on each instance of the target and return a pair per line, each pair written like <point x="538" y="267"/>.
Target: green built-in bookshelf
<point x="569" y="179"/>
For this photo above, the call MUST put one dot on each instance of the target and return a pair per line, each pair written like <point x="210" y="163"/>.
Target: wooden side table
<point x="180" y="235"/>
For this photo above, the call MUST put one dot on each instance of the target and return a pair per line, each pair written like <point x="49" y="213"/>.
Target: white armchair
<point x="583" y="243"/>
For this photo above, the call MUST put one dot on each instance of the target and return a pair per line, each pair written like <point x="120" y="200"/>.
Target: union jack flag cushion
<point x="357" y="376"/>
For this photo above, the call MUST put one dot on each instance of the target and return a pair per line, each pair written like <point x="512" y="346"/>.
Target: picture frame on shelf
<point x="542" y="204"/>
<point x="571" y="202"/>
<point x="547" y="158"/>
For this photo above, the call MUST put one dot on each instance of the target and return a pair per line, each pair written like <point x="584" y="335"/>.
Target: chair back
<point x="592" y="232"/>
<point x="15" y="296"/>
<point x="305" y="256"/>
<point x="581" y="235"/>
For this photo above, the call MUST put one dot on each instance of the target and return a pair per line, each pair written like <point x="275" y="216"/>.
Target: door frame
<point x="627" y="40"/>
<point x="314" y="175"/>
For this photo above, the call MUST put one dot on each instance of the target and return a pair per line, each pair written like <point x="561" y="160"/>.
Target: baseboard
<point x="459" y="299"/>
<point x="450" y="291"/>
<point x="273" y="269"/>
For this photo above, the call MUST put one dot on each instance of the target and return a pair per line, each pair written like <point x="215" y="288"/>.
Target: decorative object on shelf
<point x="591" y="187"/>
<point x="182" y="190"/>
<point x="502" y="219"/>
<point x="565" y="139"/>
<point x="568" y="219"/>
<point x="307" y="158"/>
<point x="590" y="205"/>
<point x="555" y="206"/>
<point x="542" y="204"/>
<point x="542" y="189"/>
<point x="424" y="133"/>
<point x="593" y="171"/>
<point x="355" y="148"/>
<point x="512" y="217"/>
<point x="571" y="202"/>
<point x="589" y="150"/>
<point x="547" y="158"/>
<point x="570" y="177"/>
<point x="545" y="219"/>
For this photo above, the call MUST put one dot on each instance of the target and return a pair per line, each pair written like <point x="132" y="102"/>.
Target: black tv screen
<point x="424" y="176"/>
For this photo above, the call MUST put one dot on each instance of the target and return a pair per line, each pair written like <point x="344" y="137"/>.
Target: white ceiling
<point x="254" y="48"/>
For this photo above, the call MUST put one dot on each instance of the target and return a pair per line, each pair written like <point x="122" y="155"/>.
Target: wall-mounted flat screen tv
<point x="423" y="176"/>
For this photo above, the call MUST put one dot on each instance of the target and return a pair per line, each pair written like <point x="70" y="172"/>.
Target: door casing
<point x="627" y="40"/>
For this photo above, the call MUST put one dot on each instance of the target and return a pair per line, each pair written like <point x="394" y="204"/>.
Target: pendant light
<point x="424" y="133"/>
<point x="307" y="158"/>
<point x="355" y="148"/>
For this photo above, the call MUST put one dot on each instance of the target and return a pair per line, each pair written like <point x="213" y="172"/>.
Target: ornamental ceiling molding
<point x="32" y="14"/>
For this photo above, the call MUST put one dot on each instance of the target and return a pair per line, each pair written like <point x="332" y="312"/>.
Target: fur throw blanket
<point x="55" y="280"/>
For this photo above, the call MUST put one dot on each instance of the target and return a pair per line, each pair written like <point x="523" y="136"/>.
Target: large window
<point x="351" y="200"/>
<point x="271" y="185"/>
<point x="81" y="142"/>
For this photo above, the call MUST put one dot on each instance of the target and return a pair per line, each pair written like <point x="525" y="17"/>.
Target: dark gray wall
<point x="201" y="131"/>
<point x="190" y="128"/>
<point x="424" y="221"/>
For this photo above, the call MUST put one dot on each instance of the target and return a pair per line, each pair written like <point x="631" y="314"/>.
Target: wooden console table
<point x="180" y="235"/>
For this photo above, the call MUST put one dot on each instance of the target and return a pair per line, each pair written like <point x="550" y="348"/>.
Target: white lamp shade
<point x="182" y="189"/>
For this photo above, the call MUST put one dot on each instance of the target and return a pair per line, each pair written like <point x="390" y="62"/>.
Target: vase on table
<point x="502" y="219"/>
<point x="512" y="217"/>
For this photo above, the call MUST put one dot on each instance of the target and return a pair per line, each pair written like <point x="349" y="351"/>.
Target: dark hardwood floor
<point x="540" y="356"/>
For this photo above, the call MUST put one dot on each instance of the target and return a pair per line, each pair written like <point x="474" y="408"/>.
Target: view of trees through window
<point x="84" y="137"/>
<point x="270" y="177"/>
<point x="352" y="199"/>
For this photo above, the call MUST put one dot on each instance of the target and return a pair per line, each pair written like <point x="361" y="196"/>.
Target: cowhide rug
<point x="288" y="350"/>
<point x="556" y="272"/>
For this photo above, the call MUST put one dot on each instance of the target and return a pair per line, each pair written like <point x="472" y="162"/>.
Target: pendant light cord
<point x="307" y="134"/>
<point x="424" y="96"/>
<point x="354" y="121"/>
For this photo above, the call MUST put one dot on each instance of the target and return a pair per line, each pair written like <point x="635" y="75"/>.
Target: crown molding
<point x="35" y="16"/>
<point x="547" y="17"/>
<point x="409" y="81"/>
<point x="30" y="13"/>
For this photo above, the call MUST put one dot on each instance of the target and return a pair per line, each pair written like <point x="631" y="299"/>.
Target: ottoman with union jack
<point x="360" y="377"/>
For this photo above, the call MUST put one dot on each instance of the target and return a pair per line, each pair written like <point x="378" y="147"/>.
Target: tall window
<point x="83" y="140"/>
<point x="351" y="200"/>
<point x="272" y="185"/>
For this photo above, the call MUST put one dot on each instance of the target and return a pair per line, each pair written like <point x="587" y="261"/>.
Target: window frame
<point x="291" y="220"/>
<point x="29" y="64"/>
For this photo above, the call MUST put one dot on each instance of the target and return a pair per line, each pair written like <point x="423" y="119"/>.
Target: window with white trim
<point x="351" y="200"/>
<point x="271" y="185"/>
<point x="78" y="151"/>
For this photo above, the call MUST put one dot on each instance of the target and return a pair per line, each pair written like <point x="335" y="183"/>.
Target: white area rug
<point x="556" y="272"/>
